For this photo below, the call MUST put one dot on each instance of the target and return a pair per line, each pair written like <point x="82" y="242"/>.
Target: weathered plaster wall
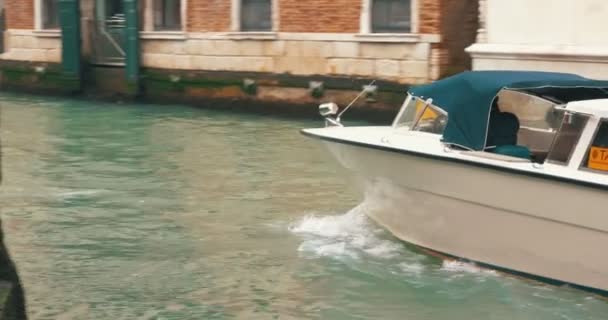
<point x="547" y="22"/>
<point x="545" y="35"/>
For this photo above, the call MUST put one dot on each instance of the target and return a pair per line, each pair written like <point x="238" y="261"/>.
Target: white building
<point x="545" y="35"/>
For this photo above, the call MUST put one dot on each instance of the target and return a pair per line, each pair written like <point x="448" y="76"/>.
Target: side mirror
<point x="328" y="109"/>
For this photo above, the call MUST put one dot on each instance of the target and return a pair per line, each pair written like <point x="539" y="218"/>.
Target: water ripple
<point x="168" y="212"/>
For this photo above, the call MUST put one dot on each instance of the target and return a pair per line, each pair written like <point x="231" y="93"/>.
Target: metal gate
<point x="109" y="33"/>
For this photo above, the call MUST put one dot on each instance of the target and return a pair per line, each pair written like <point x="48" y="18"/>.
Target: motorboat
<point x="506" y="169"/>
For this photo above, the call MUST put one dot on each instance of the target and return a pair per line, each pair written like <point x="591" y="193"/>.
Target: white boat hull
<point x="538" y="226"/>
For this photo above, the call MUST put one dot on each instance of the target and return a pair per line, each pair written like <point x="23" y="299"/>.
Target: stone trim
<point x="400" y="62"/>
<point x="38" y="14"/>
<point x="184" y="13"/>
<point x="163" y="35"/>
<point x="303" y="36"/>
<point x="482" y="33"/>
<point x="296" y="36"/>
<point x="47" y="33"/>
<point x="401" y="37"/>
<point x="35" y="33"/>
<point x="366" y="17"/>
<point x="253" y="35"/>
<point x="539" y="52"/>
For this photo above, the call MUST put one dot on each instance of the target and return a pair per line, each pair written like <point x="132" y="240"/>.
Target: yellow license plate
<point x="598" y="158"/>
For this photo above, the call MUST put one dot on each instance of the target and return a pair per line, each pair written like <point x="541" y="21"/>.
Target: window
<point x="532" y="111"/>
<point x="391" y="16"/>
<point x="50" y="14"/>
<point x="418" y="116"/>
<point x="431" y="120"/>
<point x="540" y="120"/>
<point x="407" y="114"/>
<point x="567" y="137"/>
<point x="256" y="15"/>
<point x="597" y="157"/>
<point x="167" y="15"/>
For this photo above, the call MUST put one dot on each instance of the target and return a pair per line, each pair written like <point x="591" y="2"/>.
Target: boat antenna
<point x="355" y="100"/>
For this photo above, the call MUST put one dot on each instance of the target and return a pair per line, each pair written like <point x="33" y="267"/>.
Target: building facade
<point x="398" y="41"/>
<point x="544" y="35"/>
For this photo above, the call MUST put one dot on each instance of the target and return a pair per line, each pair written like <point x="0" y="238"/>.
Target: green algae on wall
<point x="37" y="77"/>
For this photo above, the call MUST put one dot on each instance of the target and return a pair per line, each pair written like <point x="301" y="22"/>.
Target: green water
<point x="169" y="212"/>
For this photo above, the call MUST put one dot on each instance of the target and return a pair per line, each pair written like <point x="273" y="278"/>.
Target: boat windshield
<point x="540" y="120"/>
<point x="417" y="115"/>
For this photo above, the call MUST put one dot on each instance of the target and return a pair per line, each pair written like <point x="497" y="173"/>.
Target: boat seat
<point x="502" y="135"/>
<point x="503" y="129"/>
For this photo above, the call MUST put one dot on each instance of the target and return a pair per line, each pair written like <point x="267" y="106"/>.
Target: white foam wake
<point x="464" y="267"/>
<point x="347" y="235"/>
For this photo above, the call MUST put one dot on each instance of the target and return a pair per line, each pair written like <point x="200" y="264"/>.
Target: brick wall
<point x="429" y="18"/>
<point x="336" y="16"/>
<point x="339" y="16"/>
<point x="208" y="15"/>
<point x="19" y="14"/>
<point x="332" y="16"/>
<point x="460" y="21"/>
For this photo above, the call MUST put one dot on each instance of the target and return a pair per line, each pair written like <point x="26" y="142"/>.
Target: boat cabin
<point x="534" y="117"/>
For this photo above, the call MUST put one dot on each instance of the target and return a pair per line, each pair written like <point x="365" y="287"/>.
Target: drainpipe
<point x="71" y="57"/>
<point x="132" y="46"/>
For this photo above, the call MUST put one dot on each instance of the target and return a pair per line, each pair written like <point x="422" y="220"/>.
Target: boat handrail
<point x="494" y="156"/>
<point x="354" y="100"/>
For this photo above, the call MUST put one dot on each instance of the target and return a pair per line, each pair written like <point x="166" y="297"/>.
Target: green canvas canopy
<point x="468" y="97"/>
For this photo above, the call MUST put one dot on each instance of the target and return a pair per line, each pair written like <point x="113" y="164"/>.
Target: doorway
<point x="109" y="33"/>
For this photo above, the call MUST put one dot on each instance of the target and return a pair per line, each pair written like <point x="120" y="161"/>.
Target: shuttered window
<point x="167" y="15"/>
<point x="391" y="16"/>
<point x="256" y="15"/>
<point x="50" y="14"/>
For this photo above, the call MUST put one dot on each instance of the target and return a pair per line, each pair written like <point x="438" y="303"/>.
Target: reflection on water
<point x="150" y="212"/>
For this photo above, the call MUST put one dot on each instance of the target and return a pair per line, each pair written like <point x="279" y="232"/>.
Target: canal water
<point x="119" y="211"/>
